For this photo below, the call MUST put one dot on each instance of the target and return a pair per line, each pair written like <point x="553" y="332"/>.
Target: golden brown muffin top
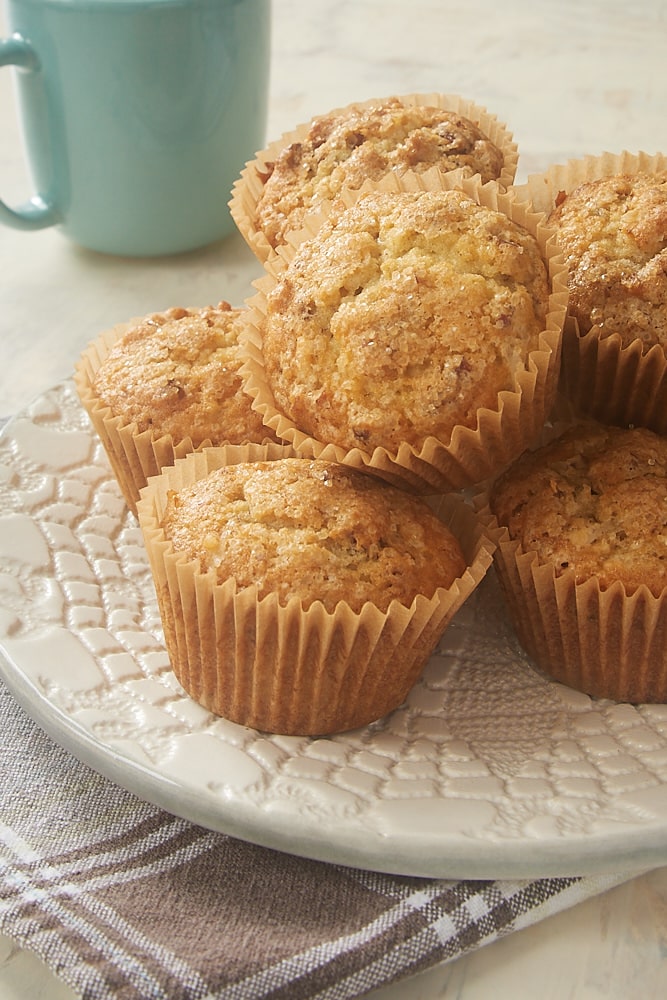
<point x="346" y="148"/>
<point x="401" y="318"/>
<point x="177" y="373"/>
<point x="613" y="232"/>
<point x="595" y="501"/>
<point x="313" y="530"/>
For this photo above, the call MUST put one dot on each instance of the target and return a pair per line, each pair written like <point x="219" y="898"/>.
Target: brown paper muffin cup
<point x="598" y="641"/>
<point x="134" y="455"/>
<point x="472" y="454"/>
<point x="614" y="384"/>
<point x="249" y="186"/>
<point x="277" y="667"/>
<point x="603" y="379"/>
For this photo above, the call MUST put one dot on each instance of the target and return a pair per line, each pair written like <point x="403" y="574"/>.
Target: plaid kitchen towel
<point x="127" y="902"/>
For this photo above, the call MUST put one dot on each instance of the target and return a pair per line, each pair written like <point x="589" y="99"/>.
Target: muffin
<point x="361" y="142"/>
<point x="405" y="320"/>
<point x="300" y="596"/>
<point x="165" y="384"/>
<point x="583" y="559"/>
<point x="610" y="217"/>
<point x="613" y="235"/>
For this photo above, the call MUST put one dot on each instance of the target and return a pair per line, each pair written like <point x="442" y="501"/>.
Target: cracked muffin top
<point x="594" y="500"/>
<point x="613" y="234"/>
<point x="401" y="317"/>
<point x="177" y="373"/>
<point x="314" y="530"/>
<point x="346" y="148"/>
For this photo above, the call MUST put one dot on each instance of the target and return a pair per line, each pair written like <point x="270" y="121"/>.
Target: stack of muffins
<point x="306" y="471"/>
<point x="584" y="517"/>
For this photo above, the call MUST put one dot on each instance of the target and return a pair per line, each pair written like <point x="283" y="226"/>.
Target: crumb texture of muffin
<point x="613" y="234"/>
<point x="315" y="531"/>
<point x="402" y="317"/>
<point x="350" y="146"/>
<point x="593" y="502"/>
<point x="177" y="373"/>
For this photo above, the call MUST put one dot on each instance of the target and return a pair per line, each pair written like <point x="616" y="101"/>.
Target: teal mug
<point x="137" y="116"/>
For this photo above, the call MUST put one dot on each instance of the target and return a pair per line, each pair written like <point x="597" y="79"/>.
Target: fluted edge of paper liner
<point x="613" y="383"/>
<point x="600" y="642"/>
<point x="473" y="454"/>
<point x="247" y="189"/>
<point x="280" y="668"/>
<point x="541" y="189"/>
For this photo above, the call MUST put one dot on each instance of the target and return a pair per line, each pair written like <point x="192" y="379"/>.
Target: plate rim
<point x="556" y="857"/>
<point x="630" y="849"/>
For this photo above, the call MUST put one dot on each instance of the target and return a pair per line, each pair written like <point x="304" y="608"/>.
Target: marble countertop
<point x="569" y="78"/>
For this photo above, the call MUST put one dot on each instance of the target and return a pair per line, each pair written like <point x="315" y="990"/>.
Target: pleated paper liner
<point x="134" y="455"/>
<point x="249" y="187"/>
<point x="277" y="667"/>
<point x="614" y="384"/>
<point x="601" y="642"/>
<point x="541" y="190"/>
<point x="603" y="379"/>
<point x="472" y="454"/>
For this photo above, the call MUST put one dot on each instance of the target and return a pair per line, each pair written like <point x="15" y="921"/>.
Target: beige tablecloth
<point x="125" y="901"/>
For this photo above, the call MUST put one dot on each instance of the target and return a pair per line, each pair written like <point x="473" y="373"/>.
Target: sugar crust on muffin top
<point x="401" y="317"/>
<point x="313" y="530"/>
<point x="177" y="373"/>
<point x="346" y="148"/>
<point x="613" y="233"/>
<point x="594" y="501"/>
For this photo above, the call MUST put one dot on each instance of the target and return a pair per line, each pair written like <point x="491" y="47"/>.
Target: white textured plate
<point x="488" y="771"/>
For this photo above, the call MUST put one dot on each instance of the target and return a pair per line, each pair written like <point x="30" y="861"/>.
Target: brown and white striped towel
<point x="126" y="902"/>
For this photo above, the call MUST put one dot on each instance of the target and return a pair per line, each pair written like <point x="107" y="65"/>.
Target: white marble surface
<point x="569" y="77"/>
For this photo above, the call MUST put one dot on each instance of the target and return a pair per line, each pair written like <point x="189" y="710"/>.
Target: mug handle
<point x="35" y="213"/>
